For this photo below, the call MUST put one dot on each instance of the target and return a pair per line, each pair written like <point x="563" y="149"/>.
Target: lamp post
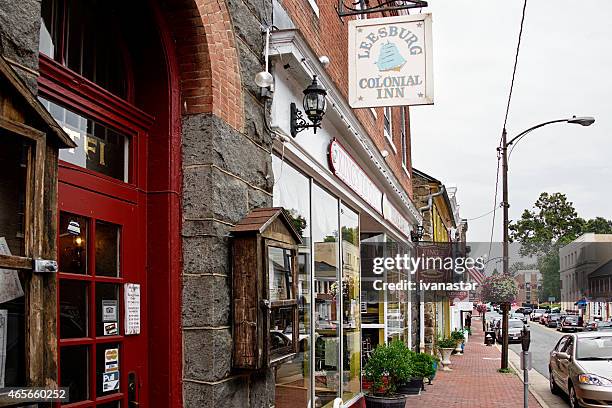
<point x="583" y="121"/>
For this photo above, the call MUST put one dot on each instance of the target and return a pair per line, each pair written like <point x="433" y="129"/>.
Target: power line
<point x="518" y="47"/>
<point x="494" y="204"/>
<point x="516" y="55"/>
<point x="480" y="216"/>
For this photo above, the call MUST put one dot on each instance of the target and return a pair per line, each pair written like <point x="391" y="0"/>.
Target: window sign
<point x="99" y="147"/>
<point x="390" y="61"/>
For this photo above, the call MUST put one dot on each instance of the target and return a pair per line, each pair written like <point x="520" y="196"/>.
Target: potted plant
<point x="387" y="368"/>
<point x="459" y="337"/>
<point x="446" y="346"/>
<point x="422" y="367"/>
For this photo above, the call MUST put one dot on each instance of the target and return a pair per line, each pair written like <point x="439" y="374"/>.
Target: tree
<point x="552" y="221"/>
<point x="598" y="225"/>
<point x="550" y="224"/>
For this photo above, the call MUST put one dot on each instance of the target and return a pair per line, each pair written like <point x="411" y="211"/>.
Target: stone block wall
<point x="227" y="172"/>
<point x="19" y="31"/>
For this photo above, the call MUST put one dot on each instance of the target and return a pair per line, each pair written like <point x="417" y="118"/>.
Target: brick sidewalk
<point x="474" y="381"/>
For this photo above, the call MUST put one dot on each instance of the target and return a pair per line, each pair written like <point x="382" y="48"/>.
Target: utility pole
<point x="505" y="306"/>
<point x="503" y="150"/>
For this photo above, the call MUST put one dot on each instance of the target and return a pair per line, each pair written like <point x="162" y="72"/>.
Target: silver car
<point x="581" y="366"/>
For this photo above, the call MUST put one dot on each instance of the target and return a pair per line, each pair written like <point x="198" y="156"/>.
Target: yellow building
<point x="441" y="224"/>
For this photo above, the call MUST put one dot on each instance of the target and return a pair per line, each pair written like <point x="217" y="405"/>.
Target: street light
<point x="583" y="121"/>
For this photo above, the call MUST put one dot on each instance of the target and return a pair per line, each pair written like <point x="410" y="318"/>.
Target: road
<point x="543" y="340"/>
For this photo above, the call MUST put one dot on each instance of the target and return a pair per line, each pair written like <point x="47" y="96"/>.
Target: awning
<point x="581" y="302"/>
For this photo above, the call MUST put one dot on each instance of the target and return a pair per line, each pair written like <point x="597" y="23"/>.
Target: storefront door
<point x="102" y="302"/>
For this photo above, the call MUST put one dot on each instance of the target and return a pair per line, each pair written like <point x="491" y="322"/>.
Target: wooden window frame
<point x="36" y="360"/>
<point x="278" y="356"/>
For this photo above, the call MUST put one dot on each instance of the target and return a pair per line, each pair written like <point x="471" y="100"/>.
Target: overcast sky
<point x="565" y="68"/>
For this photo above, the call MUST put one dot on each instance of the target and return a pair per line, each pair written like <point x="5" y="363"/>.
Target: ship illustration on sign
<point x="389" y="58"/>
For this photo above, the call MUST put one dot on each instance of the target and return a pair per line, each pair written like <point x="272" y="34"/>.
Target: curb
<point x="517" y="372"/>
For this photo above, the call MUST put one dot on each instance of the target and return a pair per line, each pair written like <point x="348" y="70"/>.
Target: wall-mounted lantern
<point x="418" y="234"/>
<point x="314" y="105"/>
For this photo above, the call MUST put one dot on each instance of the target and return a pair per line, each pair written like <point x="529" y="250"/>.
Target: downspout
<point x="422" y="295"/>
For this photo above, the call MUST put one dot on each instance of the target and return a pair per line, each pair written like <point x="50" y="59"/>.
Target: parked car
<point x="519" y="316"/>
<point x="570" y="322"/>
<point x="579" y="366"/>
<point x="515" y="330"/>
<point x="591" y="325"/>
<point x="553" y="320"/>
<point x="536" y="314"/>
<point x="604" y="326"/>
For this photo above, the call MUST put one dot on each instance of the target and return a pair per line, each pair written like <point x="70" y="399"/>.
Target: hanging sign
<point x="390" y="61"/>
<point x="347" y="170"/>
<point x="132" y="308"/>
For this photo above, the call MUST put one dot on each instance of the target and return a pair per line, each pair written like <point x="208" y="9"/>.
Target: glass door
<point x="102" y="339"/>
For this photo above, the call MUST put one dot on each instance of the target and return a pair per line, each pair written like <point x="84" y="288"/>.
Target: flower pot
<point x="459" y="349"/>
<point x="446" y="353"/>
<point x="412" y="387"/>
<point x="395" y="401"/>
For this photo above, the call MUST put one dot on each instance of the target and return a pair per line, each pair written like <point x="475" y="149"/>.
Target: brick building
<point x="175" y="145"/>
<point x="529" y="282"/>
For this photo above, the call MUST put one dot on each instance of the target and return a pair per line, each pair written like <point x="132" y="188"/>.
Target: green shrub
<point x="392" y="362"/>
<point x="457" y="335"/>
<point x="446" y="342"/>
<point x="423" y="364"/>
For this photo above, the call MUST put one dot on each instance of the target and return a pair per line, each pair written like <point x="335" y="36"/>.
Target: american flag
<point x="476" y="275"/>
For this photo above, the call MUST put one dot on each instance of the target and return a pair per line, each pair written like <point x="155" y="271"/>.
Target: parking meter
<point x="526" y="338"/>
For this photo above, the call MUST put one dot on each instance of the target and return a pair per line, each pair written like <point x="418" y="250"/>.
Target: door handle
<point x="133" y="391"/>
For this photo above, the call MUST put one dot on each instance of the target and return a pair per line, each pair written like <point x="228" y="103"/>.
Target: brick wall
<point x="328" y="35"/>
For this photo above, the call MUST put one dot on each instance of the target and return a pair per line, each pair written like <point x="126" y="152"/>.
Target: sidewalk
<point x="474" y="381"/>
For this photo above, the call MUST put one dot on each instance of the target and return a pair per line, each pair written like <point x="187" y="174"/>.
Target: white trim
<point x="305" y="62"/>
<point x="314" y="6"/>
<point x="406" y="170"/>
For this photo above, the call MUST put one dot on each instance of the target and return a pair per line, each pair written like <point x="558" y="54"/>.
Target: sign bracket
<point x="361" y="7"/>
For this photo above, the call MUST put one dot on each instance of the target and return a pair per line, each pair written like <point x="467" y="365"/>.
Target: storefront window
<point x="328" y="295"/>
<point x="292" y="191"/>
<point x="99" y="147"/>
<point x="372" y="301"/>
<point x="81" y="36"/>
<point x="351" y="321"/>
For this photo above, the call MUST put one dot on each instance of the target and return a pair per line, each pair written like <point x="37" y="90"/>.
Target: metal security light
<point x="314" y="106"/>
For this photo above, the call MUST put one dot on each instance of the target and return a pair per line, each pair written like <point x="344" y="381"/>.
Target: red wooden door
<point x="102" y="251"/>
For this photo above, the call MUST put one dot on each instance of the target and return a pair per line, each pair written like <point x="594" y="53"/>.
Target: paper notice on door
<point x="132" y="308"/>
<point x="10" y="287"/>
<point x="3" y="334"/>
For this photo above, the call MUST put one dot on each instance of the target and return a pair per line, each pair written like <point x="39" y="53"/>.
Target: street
<point x="543" y="340"/>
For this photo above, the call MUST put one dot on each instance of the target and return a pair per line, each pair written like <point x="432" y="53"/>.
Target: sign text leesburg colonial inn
<point x="390" y="61"/>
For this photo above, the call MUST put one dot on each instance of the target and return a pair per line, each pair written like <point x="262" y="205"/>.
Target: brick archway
<point x="207" y="59"/>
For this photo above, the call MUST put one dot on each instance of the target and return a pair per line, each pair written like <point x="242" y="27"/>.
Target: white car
<point x="536" y="314"/>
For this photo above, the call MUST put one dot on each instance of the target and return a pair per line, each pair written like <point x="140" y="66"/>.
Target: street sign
<point x="551" y="298"/>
